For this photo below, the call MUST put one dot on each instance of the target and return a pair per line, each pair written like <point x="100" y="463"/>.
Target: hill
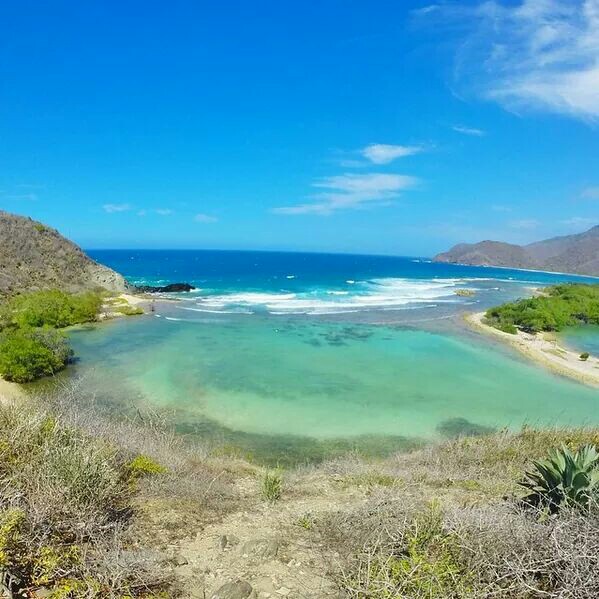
<point x="570" y="253"/>
<point x="34" y="256"/>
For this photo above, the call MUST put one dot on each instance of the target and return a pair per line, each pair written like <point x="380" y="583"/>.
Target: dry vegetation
<point x="90" y="507"/>
<point x="82" y="498"/>
<point x="447" y="522"/>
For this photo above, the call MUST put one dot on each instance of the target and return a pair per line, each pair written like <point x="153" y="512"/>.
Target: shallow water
<point x="370" y="356"/>
<point x="321" y="380"/>
<point x="582" y="339"/>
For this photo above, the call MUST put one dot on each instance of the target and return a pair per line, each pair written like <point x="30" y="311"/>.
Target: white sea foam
<point x="376" y="294"/>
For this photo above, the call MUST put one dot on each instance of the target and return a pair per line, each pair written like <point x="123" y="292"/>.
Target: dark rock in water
<point x="240" y="589"/>
<point x="172" y="288"/>
<point x="460" y="427"/>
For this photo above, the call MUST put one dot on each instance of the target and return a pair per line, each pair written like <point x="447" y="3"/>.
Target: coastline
<point x="544" y="350"/>
<point x="537" y="270"/>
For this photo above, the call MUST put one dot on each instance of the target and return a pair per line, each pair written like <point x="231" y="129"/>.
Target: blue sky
<point x="377" y="127"/>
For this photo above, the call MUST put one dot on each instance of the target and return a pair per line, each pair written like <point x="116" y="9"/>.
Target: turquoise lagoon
<point x="287" y="369"/>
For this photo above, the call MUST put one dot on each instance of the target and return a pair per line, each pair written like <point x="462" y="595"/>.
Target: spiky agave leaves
<point x="564" y="478"/>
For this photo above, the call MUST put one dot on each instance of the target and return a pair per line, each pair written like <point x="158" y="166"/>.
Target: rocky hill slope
<point x="570" y="253"/>
<point x="35" y="256"/>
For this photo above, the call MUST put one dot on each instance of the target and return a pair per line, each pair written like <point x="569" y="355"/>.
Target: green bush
<point x="53" y="308"/>
<point x="272" y="486"/>
<point x="584" y="356"/>
<point x="30" y="347"/>
<point x="141" y="466"/>
<point x="426" y="564"/>
<point x="28" y="354"/>
<point x="562" y="306"/>
<point x="565" y="478"/>
<point x="129" y="310"/>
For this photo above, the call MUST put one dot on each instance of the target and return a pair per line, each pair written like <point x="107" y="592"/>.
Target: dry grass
<point x="454" y="528"/>
<point x="88" y="504"/>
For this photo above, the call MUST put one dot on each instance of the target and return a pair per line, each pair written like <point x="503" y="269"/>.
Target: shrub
<point x="584" y="356"/>
<point x="29" y="347"/>
<point x="565" y="477"/>
<point x="28" y="354"/>
<point x="141" y="466"/>
<point x="53" y="308"/>
<point x="129" y="310"/>
<point x="561" y="306"/>
<point x="272" y="485"/>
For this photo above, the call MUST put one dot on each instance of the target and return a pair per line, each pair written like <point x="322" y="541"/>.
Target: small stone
<point x="283" y="591"/>
<point x="227" y="541"/>
<point x="261" y="547"/>
<point x="240" y="589"/>
<point x="179" y="560"/>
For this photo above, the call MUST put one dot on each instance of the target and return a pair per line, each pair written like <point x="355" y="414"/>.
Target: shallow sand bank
<point x="545" y="350"/>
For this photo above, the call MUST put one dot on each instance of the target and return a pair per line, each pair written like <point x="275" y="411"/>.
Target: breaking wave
<point x="375" y="294"/>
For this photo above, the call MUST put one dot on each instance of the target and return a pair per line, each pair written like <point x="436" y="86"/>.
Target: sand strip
<point x="544" y="349"/>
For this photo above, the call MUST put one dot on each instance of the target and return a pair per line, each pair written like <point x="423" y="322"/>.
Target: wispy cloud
<point x="501" y="208"/>
<point x="539" y="54"/>
<point x="386" y="153"/>
<point x="590" y="193"/>
<point x="163" y="211"/>
<point x="351" y="191"/>
<point x="111" y="208"/>
<point x="468" y="130"/>
<point x="525" y="223"/>
<point x="204" y="218"/>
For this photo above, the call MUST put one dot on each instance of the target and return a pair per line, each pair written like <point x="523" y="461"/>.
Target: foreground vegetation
<point x="477" y="518"/>
<point x="92" y="507"/>
<point x="559" y="306"/>
<point x="73" y="489"/>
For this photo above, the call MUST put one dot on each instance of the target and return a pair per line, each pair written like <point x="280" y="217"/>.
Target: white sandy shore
<point x="127" y="300"/>
<point x="545" y="350"/>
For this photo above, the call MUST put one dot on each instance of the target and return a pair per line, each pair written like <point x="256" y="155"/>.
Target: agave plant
<point x="564" y="478"/>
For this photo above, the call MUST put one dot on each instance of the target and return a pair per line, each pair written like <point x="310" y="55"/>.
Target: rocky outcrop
<point x="577" y="254"/>
<point x="34" y="256"/>
<point x="172" y="288"/>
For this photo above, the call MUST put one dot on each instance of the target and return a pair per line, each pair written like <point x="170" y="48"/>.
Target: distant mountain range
<point x="578" y="254"/>
<point x="35" y="256"/>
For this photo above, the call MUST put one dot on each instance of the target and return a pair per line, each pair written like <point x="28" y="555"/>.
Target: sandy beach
<point x="544" y="349"/>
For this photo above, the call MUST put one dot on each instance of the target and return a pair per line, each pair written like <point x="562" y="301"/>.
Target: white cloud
<point x="351" y="191"/>
<point x="501" y="208"/>
<point x="525" y="223"/>
<point x="110" y="208"/>
<point x="204" y="218"/>
<point x="163" y="211"/>
<point x="535" y="54"/>
<point x="590" y="193"/>
<point x="468" y="130"/>
<point x="386" y="153"/>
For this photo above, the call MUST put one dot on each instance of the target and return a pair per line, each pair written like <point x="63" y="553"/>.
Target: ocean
<point x="288" y="357"/>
